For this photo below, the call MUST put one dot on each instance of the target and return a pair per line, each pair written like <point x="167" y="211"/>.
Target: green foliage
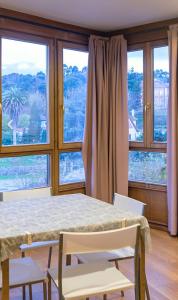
<point x="13" y="101"/>
<point x="35" y="124"/>
<point x="24" y="120"/>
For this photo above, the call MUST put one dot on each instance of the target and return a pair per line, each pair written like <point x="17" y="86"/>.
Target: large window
<point x="160" y="92"/>
<point x="24" y="172"/>
<point x="24" y="93"/>
<point x="42" y="112"/>
<point x="135" y="95"/>
<point x="71" y="167"/>
<point x="74" y="91"/>
<point x="148" y="91"/>
<point x="73" y="64"/>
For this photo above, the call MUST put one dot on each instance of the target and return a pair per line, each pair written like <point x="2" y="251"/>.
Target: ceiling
<point x="104" y="15"/>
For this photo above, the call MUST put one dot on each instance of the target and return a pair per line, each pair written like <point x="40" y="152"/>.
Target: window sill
<point x="148" y="186"/>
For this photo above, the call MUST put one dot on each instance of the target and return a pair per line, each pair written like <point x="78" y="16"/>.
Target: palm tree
<point x="13" y="102"/>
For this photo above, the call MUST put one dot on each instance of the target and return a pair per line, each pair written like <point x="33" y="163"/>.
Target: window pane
<point x="24" y="93"/>
<point x="148" y="167"/>
<point x="161" y="92"/>
<point x="71" y="167"/>
<point x="24" y="172"/>
<point x="75" y="68"/>
<point x="135" y="95"/>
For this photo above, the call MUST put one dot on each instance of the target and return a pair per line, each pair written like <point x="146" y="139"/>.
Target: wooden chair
<point x="24" y="271"/>
<point x="128" y="204"/>
<point x="125" y="204"/>
<point x="26" y="194"/>
<point x="24" y="248"/>
<point x="97" y="278"/>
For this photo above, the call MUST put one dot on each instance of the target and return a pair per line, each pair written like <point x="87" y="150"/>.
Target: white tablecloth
<point x="43" y="219"/>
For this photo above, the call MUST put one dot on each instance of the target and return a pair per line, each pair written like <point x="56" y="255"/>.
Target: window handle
<point x="62" y="108"/>
<point x="147" y="106"/>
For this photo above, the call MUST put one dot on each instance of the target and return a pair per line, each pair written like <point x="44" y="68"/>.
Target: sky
<point x="28" y="58"/>
<point x="135" y="59"/>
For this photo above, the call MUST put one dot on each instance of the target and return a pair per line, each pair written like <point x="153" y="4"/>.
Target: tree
<point x="13" y="102"/>
<point x="35" y="124"/>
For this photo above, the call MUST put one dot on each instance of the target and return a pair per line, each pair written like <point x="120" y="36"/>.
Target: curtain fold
<point x="105" y="147"/>
<point x="172" y="135"/>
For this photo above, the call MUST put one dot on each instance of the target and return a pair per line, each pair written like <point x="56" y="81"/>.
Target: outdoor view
<point x="25" y="113"/>
<point x="75" y="68"/>
<point x="135" y="95"/>
<point x="71" y="167"/>
<point x="24" y="172"/>
<point x="148" y="167"/>
<point x="161" y="93"/>
<point x="24" y="93"/>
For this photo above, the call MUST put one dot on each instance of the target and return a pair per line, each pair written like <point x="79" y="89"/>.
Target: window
<point x="24" y="93"/>
<point x="41" y="126"/>
<point x="149" y="167"/>
<point x="33" y="132"/>
<point x="73" y="64"/>
<point x="74" y="90"/>
<point x="71" y="167"/>
<point x="148" y="92"/>
<point x="135" y="95"/>
<point x="161" y="92"/>
<point x="24" y="172"/>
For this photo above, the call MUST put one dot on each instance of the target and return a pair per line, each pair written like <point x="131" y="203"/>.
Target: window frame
<point x="50" y="62"/>
<point x="136" y="144"/>
<point x="34" y="153"/>
<point x="61" y="46"/>
<point x="68" y="146"/>
<point x="148" y="144"/>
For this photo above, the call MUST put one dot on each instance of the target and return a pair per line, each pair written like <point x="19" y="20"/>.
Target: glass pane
<point x="148" y="167"/>
<point x="161" y="92"/>
<point x="24" y="93"/>
<point x="75" y="69"/>
<point x="24" y="172"/>
<point x="135" y="95"/>
<point x="71" y="167"/>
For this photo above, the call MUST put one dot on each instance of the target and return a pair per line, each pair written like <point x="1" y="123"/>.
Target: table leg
<point x="5" y="279"/>
<point x="68" y="260"/>
<point x="142" y="269"/>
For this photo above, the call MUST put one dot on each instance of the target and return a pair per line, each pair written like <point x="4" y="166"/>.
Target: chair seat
<point x="84" y="280"/>
<point x="113" y="255"/>
<point x="23" y="271"/>
<point x="35" y="245"/>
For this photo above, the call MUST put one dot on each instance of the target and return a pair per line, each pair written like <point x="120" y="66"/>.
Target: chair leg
<point x="49" y="287"/>
<point x="44" y="291"/>
<point x="30" y="292"/>
<point x="147" y="289"/>
<point x="117" y="267"/>
<point x="49" y="257"/>
<point x="23" y="293"/>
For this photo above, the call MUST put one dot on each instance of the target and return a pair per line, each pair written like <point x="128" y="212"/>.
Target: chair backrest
<point x="128" y="204"/>
<point x="26" y="194"/>
<point x="88" y="242"/>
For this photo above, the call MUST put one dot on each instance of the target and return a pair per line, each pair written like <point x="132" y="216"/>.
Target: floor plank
<point x="161" y="266"/>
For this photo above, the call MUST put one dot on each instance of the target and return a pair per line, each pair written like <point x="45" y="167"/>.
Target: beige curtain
<point x="105" y="148"/>
<point x="172" y="139"/>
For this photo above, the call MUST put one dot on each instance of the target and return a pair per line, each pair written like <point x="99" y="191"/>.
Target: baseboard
<point x="158" y="226"/>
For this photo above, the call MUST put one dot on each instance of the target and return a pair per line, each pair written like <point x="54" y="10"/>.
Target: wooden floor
<point x="161" y="265"/>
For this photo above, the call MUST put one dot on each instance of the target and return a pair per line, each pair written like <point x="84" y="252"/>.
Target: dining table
<point x="40" y="219"/>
